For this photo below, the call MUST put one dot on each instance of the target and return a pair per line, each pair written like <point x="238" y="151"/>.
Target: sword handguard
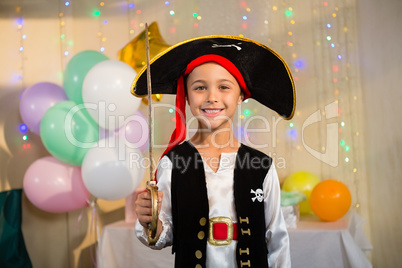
<point x="153" y="225"/>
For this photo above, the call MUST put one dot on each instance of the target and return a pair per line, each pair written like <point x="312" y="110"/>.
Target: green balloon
<point x="76" y="70"/>
<point x="68" y="132"/>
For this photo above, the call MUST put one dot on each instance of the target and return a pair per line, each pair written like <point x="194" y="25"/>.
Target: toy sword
<point x="151" y="184"/>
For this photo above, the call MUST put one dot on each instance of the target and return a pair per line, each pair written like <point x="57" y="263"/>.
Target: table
<point x="312" y="244"/>
<point x="342" y="243"/>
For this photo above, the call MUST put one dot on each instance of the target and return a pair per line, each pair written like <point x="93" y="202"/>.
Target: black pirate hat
<point x="266" y="74"/>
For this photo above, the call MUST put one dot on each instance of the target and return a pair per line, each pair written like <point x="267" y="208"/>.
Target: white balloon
<point x="107" y="85"/>
<point x="112" y="173"/>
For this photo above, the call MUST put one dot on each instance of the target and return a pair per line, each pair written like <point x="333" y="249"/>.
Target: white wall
<point x="380" y="45"/>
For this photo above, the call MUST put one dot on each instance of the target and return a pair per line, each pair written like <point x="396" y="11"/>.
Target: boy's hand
<point x="143" y="208"/>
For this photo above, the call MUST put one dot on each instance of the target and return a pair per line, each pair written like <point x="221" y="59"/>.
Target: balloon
<point x="76" y="70"/>
<point x="107" y="86"/>
<point x="302" y="181"/>
<point x="112" y="173"/>
<point x="330" y="200"/>
<point x="54" y="186"/>
<point x="135" y="131"/>
<point x="67" y="132"/>
<point x="134" y="53"/>
<point x="36" y="100"/>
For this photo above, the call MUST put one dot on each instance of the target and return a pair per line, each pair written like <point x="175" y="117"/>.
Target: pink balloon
<point x="135" y="131"/>
<point x="36" y="100"/>
<point x="55" y="186"/>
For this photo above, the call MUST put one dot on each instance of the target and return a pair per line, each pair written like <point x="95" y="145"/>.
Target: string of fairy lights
<point x="23" y="36"/>
<point x="334" y="35"/>
<point x="19" y="76"/>
<point x="65" y="41"/>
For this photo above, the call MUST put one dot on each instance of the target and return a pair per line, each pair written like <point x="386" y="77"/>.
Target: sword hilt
<point x="153" y="225"/>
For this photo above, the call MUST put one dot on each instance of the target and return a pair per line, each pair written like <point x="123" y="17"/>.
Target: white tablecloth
<point x="312" y="244"/>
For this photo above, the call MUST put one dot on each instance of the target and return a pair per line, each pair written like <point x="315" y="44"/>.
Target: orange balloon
<point x="330" y="200"/>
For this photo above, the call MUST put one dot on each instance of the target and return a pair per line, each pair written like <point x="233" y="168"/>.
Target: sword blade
<point x="150" y="121"/>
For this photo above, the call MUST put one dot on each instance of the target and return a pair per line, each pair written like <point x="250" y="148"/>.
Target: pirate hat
<point x="261" y="73"/>
<point x="266" y="74"/>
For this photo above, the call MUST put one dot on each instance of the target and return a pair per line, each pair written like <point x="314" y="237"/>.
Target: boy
<point x="219" y="199"/>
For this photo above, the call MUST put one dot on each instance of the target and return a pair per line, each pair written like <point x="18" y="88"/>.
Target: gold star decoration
<point x="134" y="53"/>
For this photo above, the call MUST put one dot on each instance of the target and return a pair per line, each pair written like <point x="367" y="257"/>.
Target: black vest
<point x="190" y="206"/>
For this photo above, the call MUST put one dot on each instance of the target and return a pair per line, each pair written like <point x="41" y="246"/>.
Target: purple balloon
<point x="36" y="100"/>
<point x="135" y="131"/>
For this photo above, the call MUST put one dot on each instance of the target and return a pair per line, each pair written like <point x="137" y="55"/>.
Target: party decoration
<point x="107" y="86"/>
<point x="54" y="186"/>
<point x="36" y="100"/>
<point x="134" y="52"/>
<point x="302" y="181"/>
<point x="155" y="97"/>
<point x="67" y="132"/>
<point x="76" y="70"/>
<point x="330" y="200"/>
<point x="135" y="131"/>
<point x="112" y="173"/>
<point x="292" y="198"/>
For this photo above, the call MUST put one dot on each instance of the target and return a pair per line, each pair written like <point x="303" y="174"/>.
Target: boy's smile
<point x="213" y="95"/>
<point x="211" y="112"/>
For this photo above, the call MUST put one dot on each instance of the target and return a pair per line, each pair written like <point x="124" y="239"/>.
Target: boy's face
<point x="213" y="95"/>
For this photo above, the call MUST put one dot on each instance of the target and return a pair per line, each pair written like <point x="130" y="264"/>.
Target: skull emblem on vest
<point x="259" y="195"/>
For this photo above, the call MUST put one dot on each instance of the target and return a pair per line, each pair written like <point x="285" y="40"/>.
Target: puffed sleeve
<point x="164" y="177"/>
<point x="276" y="233"/>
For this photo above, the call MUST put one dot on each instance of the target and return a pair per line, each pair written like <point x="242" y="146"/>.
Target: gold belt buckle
<point x="229" y="237"/>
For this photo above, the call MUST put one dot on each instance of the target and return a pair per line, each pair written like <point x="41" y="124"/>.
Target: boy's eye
<point x="200" y="88"/>
<point x="224" y="87"/>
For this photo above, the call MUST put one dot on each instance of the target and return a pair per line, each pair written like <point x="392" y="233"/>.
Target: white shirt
<point x="221" y="204"/>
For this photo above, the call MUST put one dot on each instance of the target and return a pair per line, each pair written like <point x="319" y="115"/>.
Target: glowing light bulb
<point x="23" y="128"/>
